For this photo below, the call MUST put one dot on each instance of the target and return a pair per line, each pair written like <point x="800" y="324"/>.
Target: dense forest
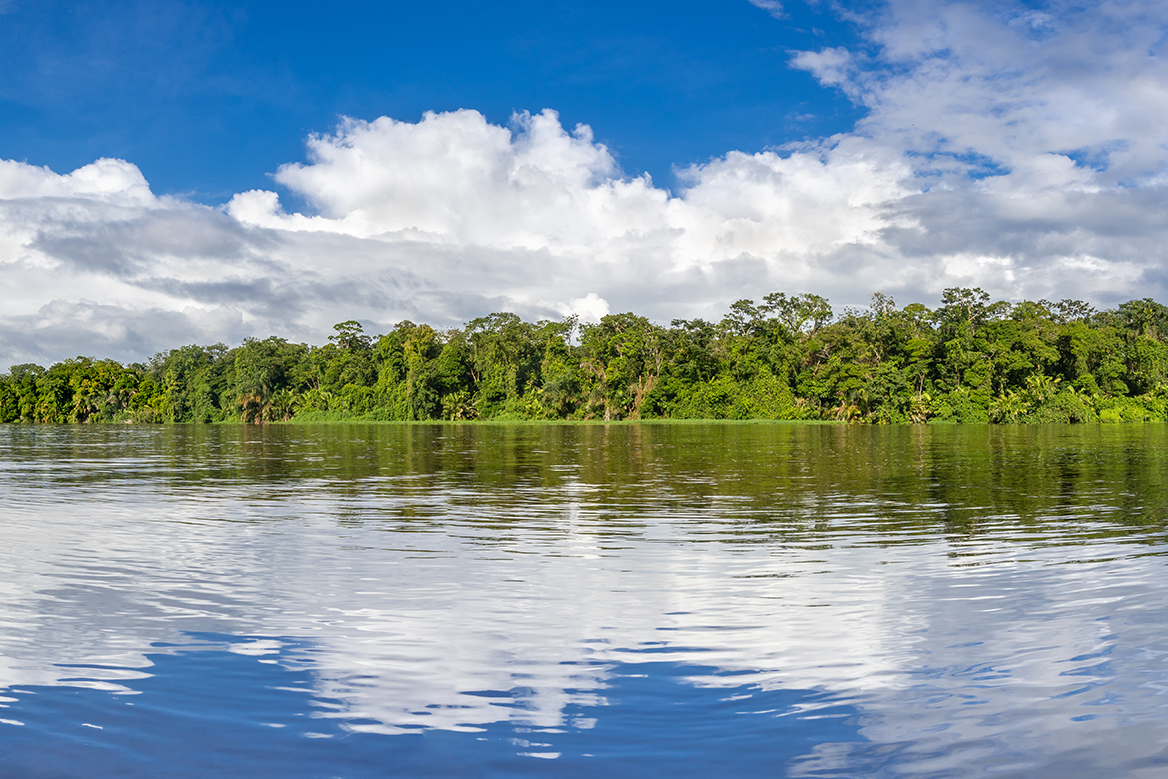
<point x="788" y="357"/>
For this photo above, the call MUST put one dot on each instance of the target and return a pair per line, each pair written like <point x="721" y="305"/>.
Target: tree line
<point x="971" y="359"/>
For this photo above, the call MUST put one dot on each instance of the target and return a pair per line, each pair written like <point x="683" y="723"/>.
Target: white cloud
<point x="772" y="7"/>
<point x="590" y="308"/>
<point x="117" y="180"/>
<point x="1005" y="148"/>
<point x="1012" y="85"/>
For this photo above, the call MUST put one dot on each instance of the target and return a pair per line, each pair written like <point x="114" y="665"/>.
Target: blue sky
<point x="208" y="98"/>
<point x="199" y="172"/>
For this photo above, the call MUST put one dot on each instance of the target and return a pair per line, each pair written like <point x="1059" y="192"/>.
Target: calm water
<point x="706" y="600"/>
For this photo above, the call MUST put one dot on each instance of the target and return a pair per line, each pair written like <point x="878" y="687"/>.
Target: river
<point x="684" y="600"/>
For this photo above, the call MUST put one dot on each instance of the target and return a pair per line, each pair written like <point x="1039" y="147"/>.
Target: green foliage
<point x="622" y="355"/>
<point x="787" y="357"/>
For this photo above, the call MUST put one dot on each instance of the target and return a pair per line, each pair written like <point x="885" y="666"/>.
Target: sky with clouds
<point x="201" y="172"/>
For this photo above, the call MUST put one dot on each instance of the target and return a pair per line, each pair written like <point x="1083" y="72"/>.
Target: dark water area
<point x="578" y="601"/>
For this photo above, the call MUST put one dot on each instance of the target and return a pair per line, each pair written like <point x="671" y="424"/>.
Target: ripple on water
<point x="694" y="600"/>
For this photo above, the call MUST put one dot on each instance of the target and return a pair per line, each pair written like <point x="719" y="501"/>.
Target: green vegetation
<point x="788" y="357"/>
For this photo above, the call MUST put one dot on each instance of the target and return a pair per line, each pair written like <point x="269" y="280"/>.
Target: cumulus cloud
<point x="1012" y="149"/>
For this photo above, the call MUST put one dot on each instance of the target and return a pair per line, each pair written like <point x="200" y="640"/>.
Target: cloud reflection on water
<point x="462" y="601"/>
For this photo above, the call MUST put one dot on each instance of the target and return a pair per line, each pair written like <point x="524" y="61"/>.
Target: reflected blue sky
<point x="205" y="710"/>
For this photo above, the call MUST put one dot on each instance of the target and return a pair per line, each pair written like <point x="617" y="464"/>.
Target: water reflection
<point x="217" y="699"/>
<point x="966" y="600"/>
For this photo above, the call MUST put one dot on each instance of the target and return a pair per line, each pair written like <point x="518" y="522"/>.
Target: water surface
<point x="685" y="600"/>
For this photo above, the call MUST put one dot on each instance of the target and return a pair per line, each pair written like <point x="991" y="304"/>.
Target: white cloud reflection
<point x="415" y="607"/>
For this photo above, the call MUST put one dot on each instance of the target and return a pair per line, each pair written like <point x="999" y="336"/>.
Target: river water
<point x="622" y="601"/>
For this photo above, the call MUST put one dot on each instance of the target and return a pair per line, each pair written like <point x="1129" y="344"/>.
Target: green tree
<point x="622" y="353"/>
